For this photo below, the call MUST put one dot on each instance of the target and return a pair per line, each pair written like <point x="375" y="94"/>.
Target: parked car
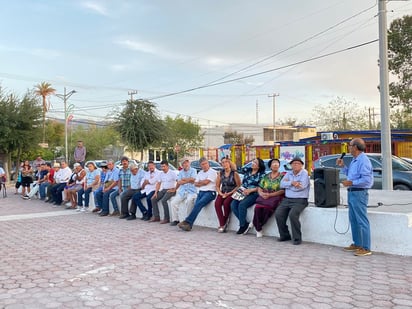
<point x="284" y="166"/>
<point x="409" y="160"/>
<point x="158" y="167"/>
<point x="119" y="163"/>
<point x="213" y="164"/>
<point x="401" y="170"/>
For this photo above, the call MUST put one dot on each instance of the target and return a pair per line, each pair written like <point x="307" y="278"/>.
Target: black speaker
<point x="327" y="189"/>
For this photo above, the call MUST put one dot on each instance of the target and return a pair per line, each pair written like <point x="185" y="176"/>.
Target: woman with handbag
<point x="247" y="194"/>
<point x="227" y="182"/>
<point x="269" y="197"/>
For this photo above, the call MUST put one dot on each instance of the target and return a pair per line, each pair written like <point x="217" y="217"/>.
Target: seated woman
<point x="247" y="193"/>
<point x="75" y="184"/>
<point x="26" y="178"/>
<point x="227" y="182"/>
<point x="269" y="197"/>
<point x="91" y="184"/>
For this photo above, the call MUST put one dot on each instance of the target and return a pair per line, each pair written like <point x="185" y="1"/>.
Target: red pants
<point x="222" y="207"/>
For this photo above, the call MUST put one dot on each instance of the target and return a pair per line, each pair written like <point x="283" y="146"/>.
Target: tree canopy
<point x="400" y="62"/>
<point x="140" y="125"/>
<point x="340" y="115"/>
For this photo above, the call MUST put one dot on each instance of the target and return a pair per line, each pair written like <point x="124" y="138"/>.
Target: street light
<point x="274" y="95"/>
<point x="67" y="110"/>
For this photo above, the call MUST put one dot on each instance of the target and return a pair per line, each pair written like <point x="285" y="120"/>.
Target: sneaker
<point x="221" y="229"/>
<point x="96" y="209"/>
<point x="185" y="226"/>
<point x="115" y="213"/>
<point x="84" y="209"/>
<point x="352" y="247"/>
<point x="68" y="204"/>
<point x="78" y="209"/>
<point x="259" y="234"/>
<point x="362" y="252"/>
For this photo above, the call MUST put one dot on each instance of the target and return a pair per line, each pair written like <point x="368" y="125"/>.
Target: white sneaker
<point x="68" y="204"/>
<point x="78" y="208"/>
<point x="259" y="234"/>
<point x="84" y="209"/>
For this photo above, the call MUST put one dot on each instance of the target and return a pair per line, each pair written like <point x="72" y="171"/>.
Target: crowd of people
<point x="282" y="194"/>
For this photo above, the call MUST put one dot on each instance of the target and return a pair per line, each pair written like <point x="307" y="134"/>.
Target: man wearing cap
<point x="136" y="179"/>
<point x="296" y="184"/>
<point x="110" y="185"/>
<point x="186" y="191"/>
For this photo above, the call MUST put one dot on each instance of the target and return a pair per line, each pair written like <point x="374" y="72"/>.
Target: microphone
<point x="342" y="155"/>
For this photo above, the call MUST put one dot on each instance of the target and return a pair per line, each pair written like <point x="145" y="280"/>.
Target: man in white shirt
<point x="136" y="179"/>
<point x="148" y="190"/>
<point x="186" y="191"/>
<point x="61" y="177"/>
<point x="206" y="182"/>
<point x="167" y="183"/>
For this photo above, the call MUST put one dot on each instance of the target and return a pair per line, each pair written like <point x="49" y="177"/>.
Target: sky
<point x="195" y="58"/>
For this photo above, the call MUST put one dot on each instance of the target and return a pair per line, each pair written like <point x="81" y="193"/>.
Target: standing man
<point x="296" y="184"/>
<point x="80" y="153"/>
<point x="206" y="182"/>
<point x="186" y="191"/>
<point x="167" y="180"/>
<point x="359" y="180"/>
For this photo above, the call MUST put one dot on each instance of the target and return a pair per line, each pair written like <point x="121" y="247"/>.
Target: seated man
<point x="46" y="184"/>
<point x="296" y="184"/>
<point x="206" y="182"/>
<point x="110" y="185"/>
<point x="91" y="183"/>
<point x="167" y="183"/>
<point x="61" y="177"/>
<point x="124" y="184"/>
<point x="136" y="180"/>
<point x="99" y="190"/>
<point x="186" y="191"/>
<point x="148" y="190"/>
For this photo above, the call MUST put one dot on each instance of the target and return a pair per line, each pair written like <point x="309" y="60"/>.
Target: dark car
<point x="401" y="170"/>
<point x="213" y="164"/>
<point x="284" y="166"/>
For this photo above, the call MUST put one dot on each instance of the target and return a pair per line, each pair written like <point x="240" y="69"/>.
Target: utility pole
<point x="274" y="95"/>
<point x="67" y="110"/>
<point x="131" y="93"/>
<point x="257" y="112"/>
<point x="387" y="179"/>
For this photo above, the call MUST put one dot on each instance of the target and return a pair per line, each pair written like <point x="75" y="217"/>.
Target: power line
<point x="264" y="72"/>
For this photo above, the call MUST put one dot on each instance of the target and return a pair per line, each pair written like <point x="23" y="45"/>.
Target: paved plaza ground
<point x="55" y="258"/>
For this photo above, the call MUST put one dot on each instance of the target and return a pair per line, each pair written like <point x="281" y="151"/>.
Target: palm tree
<point x="44" y="90"/>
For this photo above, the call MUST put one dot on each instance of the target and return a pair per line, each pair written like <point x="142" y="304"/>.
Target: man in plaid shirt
<point x="124" y="184"/>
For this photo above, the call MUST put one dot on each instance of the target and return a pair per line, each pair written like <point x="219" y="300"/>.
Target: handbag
<point x="239" y="195"/>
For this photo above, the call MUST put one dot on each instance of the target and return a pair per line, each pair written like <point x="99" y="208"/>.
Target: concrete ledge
<point x="391" y="224"/>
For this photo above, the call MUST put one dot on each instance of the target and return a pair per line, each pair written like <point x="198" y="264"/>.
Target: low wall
<point x="391" y="225"/>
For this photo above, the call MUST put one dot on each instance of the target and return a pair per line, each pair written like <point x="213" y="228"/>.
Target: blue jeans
<point x="103" y="200"/>
<point x="86" y="197"/>
<point x="358" y="218"/>
<point x="203" y="198"/>
<point x="113" y="199"/>
<point x="137" y="199"/>
<point x="42" y="189"/>
<point x="239" y="208"/>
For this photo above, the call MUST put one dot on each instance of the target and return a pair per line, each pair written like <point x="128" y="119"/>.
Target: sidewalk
<point x="52" y="258"/>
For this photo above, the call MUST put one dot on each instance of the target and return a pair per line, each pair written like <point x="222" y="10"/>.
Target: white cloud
<point x="96" y="7"/>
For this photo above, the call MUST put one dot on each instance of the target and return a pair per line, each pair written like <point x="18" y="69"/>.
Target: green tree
<point x="340" y="115"/>
<point x="19" y="124"/>
<point x="44" y="90"/>
<point x="140" y="125"/>
<point x="182" y="136"/>
<point x="95" y="138"/>
<point x="233" y="137"/>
